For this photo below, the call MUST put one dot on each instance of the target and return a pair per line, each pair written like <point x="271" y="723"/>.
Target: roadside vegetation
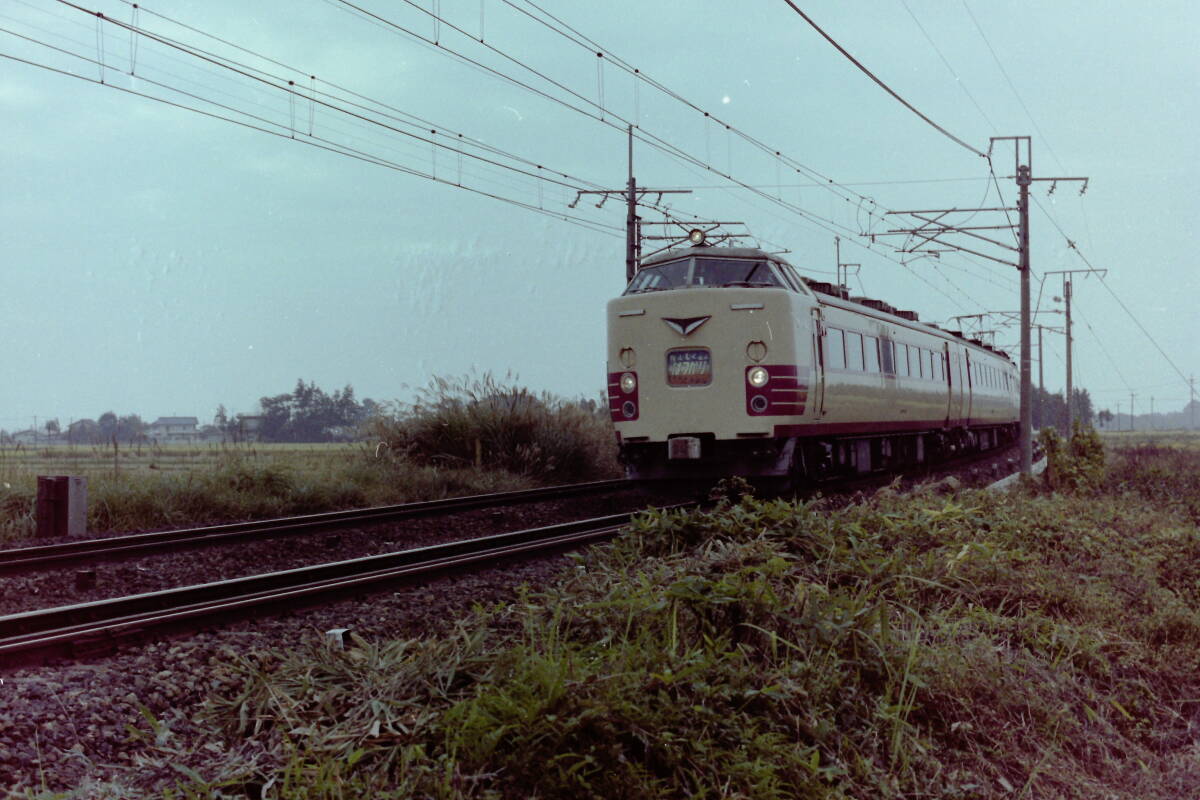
<point x="465" y="436"/>
<point x="1038" y="643"/>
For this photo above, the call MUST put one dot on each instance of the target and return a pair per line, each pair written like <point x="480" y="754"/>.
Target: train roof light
<point x="696" y="237"/>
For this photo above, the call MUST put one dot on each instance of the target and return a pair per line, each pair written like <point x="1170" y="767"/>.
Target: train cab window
<point x="793" y="278"/>
<point x="717" y="272"/>
<point x="671" y="275"/>
<point x="871" y="351"/>
<point x="835" y="349"/>
<point x="854" y="351"/>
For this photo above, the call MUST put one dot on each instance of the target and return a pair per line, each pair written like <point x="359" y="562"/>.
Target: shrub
<point x="459" y="422"/>
<point x="1076" y="465"/>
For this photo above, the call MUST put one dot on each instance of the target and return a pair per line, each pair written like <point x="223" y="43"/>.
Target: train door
<point x="954" y="379"/>
<point x="968" y="386"/>
<point x="817" y="389"/>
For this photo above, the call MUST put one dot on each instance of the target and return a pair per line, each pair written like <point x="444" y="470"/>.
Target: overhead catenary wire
<point x="821" y="222"/>
<point x="605" y="117"/>
<point x="585" y="42"/>
<point x="316" y="142"/>
<point x="403" y="116"/>
<point x="881" y="84"/>
<point x="1011" y="85"/>
<point x="946" y="62"/>
<point x="1071" y="245"/>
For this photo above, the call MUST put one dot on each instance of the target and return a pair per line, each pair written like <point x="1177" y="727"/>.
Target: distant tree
<point x="108" y="425"/>
<point x="131" y="428"/>
<point x="1105" y="417"/>
<point x="84" y="431"/>
<point x="308" y="414"/>
<point x="52" y="427"/>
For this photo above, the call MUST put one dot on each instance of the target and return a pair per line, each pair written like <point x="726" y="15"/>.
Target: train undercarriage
<point x="807" y="460"/>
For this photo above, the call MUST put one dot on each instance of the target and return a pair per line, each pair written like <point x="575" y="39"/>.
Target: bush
<point x="459" y="422"/>
<point x="1076" y="465"/>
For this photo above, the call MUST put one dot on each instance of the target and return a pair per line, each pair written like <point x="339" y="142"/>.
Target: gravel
<point x="86" y="728"/>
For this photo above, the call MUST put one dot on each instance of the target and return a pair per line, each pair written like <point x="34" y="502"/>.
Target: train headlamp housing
<point x="696" y="237"/>
<point x="628" y="382"/>
<point x="758" y="377"/>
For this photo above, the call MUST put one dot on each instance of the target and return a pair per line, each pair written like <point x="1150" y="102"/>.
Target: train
<point x="726" y="361"/>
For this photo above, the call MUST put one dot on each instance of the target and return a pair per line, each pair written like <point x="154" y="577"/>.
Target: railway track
<point x="98" y="628"/>
<point x="112" y="548"/>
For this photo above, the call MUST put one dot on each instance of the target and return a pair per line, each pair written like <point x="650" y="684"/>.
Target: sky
<point x="163" y="261"/>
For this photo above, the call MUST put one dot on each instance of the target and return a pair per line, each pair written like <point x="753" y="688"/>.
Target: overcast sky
<point x="157" y="261"/>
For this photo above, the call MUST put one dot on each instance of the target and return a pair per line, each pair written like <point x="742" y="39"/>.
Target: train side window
<point x="887" y="356"/>
<point x="854" y="351"/>
<point x="922" y="365"/>
<point x="871" y="351"/>
<point x="901" y="359"/>
<point x="835" y="349"/>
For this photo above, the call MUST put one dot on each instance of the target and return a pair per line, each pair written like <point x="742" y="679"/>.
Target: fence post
<point x="61" y="509"/>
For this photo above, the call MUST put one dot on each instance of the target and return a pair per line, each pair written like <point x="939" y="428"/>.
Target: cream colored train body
<point x="724" y="361"/>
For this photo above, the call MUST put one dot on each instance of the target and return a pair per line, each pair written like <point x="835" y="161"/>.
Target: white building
<point x="171" y="430"/>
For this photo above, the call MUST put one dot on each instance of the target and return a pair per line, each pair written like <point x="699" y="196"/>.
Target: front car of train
<point x="709" y="349"/>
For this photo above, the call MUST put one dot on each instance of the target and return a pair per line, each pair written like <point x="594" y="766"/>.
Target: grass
<point x="465" y="436"/>
<point x="247" y="483"/>
<point x="1034" y="644"/>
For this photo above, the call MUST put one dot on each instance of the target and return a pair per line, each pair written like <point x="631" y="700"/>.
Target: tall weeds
<point x="490" y="422"/>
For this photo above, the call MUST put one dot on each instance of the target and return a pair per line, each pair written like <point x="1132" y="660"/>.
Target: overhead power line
<point x="881" y="84"/>
<point x="1011" y="85"/>
<point x="1071" y="245"/>
<point x="250" y="120"/>
<point x="957" y="79"/>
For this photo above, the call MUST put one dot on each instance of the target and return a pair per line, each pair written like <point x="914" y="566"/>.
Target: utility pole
<point x="631" y="237"/>
<point x="1131" y="395"/>
<point x="1151" y="412"/>
<point x="1041" y="375"/>
<point x="1070" y="396"/>
<point x="933" y="227"/>
<point x="1192" y="400"/>
<point x="630" y="194"/>
<point x="1068" y="290"/>
<point x="843" y="270"/>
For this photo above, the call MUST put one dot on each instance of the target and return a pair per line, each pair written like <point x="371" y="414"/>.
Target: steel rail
<point x="88" y="550"/>
<point x="104" y="625"/>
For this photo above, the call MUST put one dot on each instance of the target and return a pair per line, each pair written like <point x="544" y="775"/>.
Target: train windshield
<point x="671" y="275"/>
<point x="731" y="272"/>
<point x="705" y="272"/>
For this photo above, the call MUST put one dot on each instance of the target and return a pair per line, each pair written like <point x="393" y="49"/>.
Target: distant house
<point x="171" y="430"/>
<point x="248" y="427"/>
<point x="29" y="436"/>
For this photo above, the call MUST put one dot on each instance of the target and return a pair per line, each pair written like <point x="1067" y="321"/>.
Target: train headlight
<point x="696" y="237"/>
<point x="628" y="382"/>
<point x="758" y="377"/>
